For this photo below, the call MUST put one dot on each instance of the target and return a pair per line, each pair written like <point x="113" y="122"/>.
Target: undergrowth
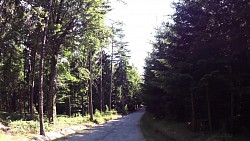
<point x="27" y="128"/>
<point x="161" y="130"/>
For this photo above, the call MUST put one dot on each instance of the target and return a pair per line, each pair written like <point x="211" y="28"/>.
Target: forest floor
<point x="15" y="128"/>
<point x="161" y="130"/>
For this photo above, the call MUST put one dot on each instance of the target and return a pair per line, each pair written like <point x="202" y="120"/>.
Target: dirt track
<point x="123" y="129"/>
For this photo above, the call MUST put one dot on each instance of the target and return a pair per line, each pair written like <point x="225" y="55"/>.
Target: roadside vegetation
<point x="16" y="127"/>
<point x="163" y="130"/>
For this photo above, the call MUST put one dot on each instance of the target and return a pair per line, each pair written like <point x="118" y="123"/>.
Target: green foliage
<point x="101" y="118"/>
<point x="98" y="117"/>
<point x="126" y="109"/>
<point x="198" y="69"/>
<point x="126" y="77"/>
<point x="65" y="121"/>
<point x="74" y="31"/>
<point x="106" y="108"/>
<point x="25" y="127"/>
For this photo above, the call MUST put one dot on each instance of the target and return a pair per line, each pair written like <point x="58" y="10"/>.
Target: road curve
<point x="124" y="129"/>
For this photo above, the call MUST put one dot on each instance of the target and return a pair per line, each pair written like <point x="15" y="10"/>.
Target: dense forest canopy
<point x="199" y="68"/>
<point x="53" y="60"/>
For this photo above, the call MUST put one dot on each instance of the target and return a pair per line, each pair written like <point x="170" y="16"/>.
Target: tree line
<point x="199" y="69"/>
<point x="54" y="60"/>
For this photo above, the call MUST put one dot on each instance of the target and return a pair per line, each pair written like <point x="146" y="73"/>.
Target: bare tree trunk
<point x="82" y="103"/>
<point x="41" y="120"/>
<point x="32" y="87"/>
<point x="42" y="132"/>
<point x="111" y="75"/>
<point x="101" y="92"/>
<point x="26" y="87"/>
<point x="52" y="92"/>
<point x="73" y="89"/>
<point x="209" y="110"/>
<point x="123" y="105"/>
<point x="90" y="86"/>
<point x="69" y="105"/>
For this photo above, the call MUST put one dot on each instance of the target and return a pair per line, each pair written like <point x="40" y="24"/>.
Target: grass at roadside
<point x="25" y="129"/>
<point x="160" y="130"/>
<point x="155" y="130"/>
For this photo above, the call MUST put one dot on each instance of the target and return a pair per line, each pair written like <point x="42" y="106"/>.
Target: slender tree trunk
<point x="74" y="98"/>
<point x="101" y="92"/>
<point x="209" y="110"/>
<point x="44" y="38"/>
<point x="42" y="132"/>
<point x="82" y="103"/>
<point x="32" y="87"/>
<point x="26" y="89"/>
<point x="69" y="105"/>
<point x="111" y="76"/>
<point x="40" y="102"/>
<point x="193" y="111"/>
<point x="122" y="89"/>
<point x="90" y="86"/>
<point x="88" y="101"/>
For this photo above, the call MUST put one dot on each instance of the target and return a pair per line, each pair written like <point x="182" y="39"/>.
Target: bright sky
<point x="140" y="17"/>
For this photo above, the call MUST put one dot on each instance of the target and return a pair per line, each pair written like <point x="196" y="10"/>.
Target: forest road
<point x="124" y="129"/>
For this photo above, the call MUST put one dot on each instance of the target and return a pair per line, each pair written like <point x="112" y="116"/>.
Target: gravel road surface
<point x="123" y="129"/>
